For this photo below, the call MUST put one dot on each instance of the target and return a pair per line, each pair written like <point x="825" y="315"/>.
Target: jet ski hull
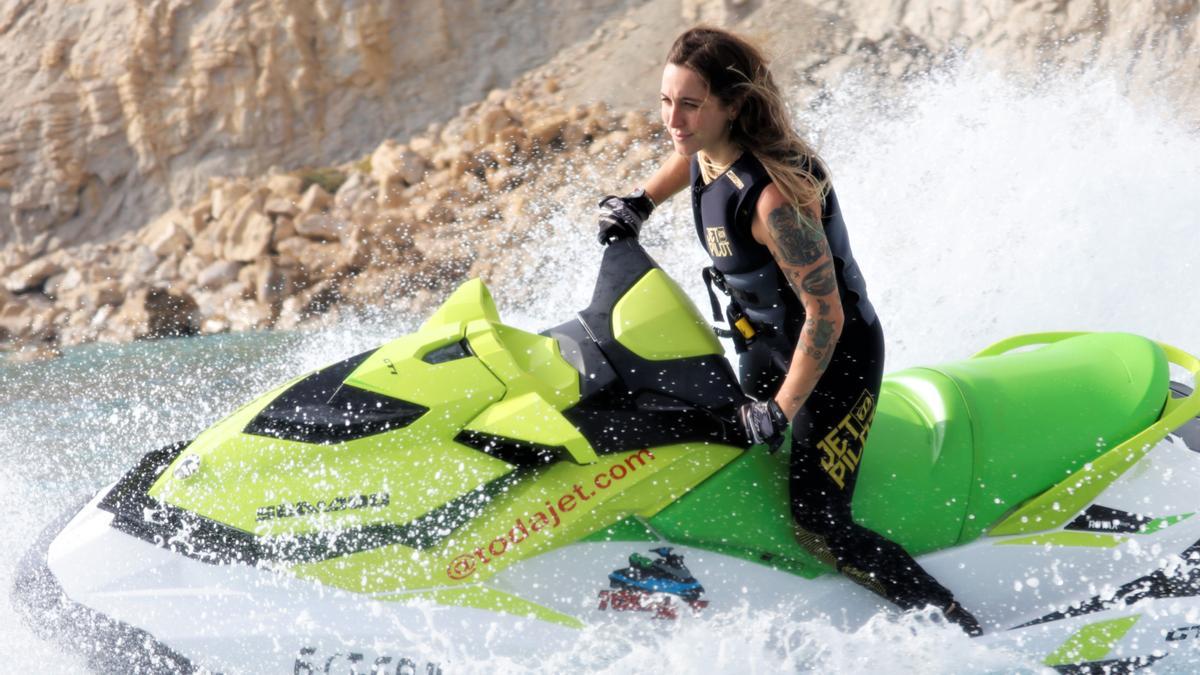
<point x="1111" y="592"/>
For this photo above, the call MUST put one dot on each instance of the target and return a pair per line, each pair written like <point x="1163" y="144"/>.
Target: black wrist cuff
<point x="641" y="202"/>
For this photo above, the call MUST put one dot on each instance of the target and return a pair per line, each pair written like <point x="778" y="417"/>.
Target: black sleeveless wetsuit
<point x="829" y="432"/>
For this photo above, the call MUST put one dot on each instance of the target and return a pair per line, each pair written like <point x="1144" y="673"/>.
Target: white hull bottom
<point x="233" y="618"/>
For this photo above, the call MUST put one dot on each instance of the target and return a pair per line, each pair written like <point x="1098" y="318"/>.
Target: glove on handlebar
<point x="622" y="217"/>
<point x="763" y="422"/>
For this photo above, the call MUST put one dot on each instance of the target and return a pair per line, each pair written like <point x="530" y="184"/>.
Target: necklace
<point x="710" y="170"/>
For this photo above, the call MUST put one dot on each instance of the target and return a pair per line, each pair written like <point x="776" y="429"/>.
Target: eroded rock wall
<point x="115" y="111"/>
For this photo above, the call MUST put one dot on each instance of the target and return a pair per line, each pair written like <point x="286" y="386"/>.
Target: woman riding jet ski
<point x="471" y="491"/>
<point x="809" y="341"/>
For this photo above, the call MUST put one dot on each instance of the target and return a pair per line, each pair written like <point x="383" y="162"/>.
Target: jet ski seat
<point x="973" y="439"/>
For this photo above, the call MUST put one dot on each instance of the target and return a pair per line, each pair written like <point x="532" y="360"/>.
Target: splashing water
<point x="978" y="209"/>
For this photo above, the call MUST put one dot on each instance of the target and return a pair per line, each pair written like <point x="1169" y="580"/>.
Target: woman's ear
<point x="735" y="107"/>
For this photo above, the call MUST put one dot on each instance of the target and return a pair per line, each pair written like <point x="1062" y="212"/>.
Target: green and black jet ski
<point x="474" y="479"/>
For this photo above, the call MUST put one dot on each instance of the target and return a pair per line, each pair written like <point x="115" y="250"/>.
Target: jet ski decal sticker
<point x="376" y="500"/>
<point x="638" y="584"/>
<point x="466" y="564"/>
<point x="1104" y="519"/>
<point x="1184" y="633"/>
<point x="311" y="662"/>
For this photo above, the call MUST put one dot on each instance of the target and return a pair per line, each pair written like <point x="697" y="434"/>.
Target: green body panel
<point x="918" y="455"/>
<point x="743" y="512"/>
<point x="917" y="466"/>
<point x="629" y="529"/>
<point x="656" y="320"/>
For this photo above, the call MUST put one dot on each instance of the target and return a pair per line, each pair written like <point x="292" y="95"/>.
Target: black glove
<point x="763" y="422"/>
<point x="622" y="217"/>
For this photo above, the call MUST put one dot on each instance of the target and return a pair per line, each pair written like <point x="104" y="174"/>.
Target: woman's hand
<point x="763" y="422"/>
<point x="619" y="218"/>
<point x="622" y="217"/>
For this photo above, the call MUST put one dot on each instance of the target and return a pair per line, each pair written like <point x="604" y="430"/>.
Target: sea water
<point x="978" y="208"/>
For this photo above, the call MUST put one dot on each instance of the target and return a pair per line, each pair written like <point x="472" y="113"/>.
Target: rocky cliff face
<point x="1151" y="45"/>
<point x="181" y="166"/>
<point x="115" y="111"/>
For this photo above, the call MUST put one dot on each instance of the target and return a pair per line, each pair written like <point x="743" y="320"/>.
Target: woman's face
<point x="695" y="120"/>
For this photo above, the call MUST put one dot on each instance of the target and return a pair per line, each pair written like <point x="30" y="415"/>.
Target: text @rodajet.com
<point x="465" y="565"/>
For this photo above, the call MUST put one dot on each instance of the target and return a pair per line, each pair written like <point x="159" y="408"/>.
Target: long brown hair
<point x="736" y="72"/>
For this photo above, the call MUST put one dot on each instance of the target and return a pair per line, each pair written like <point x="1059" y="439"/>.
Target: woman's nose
<point x="674" y="118"/>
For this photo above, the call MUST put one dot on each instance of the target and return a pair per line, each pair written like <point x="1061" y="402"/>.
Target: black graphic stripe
<point x="1183" y="583"/>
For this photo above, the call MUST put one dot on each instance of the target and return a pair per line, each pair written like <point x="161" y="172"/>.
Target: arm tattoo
<point x="820" y="281"/>
<point x="800" y="240"/>
<point x="822" y="333"/>
<point x="820" y="348"/>
<point x="824" y="364"/>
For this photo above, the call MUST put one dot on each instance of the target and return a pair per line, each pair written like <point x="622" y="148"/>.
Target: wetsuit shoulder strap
<point x="712" y="276"/>
<point x="751" y="178"/>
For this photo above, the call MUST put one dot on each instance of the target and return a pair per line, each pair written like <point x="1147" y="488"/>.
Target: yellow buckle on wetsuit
<point x="744" y="327"/>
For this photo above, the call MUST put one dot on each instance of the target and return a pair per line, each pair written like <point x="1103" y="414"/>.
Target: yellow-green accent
<point x="531" y="418"/>
<point x="469" y="302"/>
<point x="656" y="320"/>
<point x="538" y="383"/>
<point x="525" y="362"/>
<point x="1078" y="539"/>
<point x="1055" y="506"/>
<point x="477" y="596"/>
<point x="1093" y="642"/>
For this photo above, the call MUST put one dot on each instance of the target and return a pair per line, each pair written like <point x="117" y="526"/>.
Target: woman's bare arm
<point x="670" y="178"/>
<point x="797" y="241"/>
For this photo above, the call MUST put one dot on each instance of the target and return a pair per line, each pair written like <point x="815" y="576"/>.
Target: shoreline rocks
<point x="293" y="249"/>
